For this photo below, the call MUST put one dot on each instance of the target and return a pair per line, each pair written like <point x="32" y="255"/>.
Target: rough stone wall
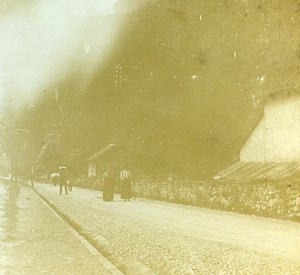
<point x="272" y="199"/>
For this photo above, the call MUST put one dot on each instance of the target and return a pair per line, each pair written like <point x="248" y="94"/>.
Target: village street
<point x="144" y="236"/>
<point x="191" y="105"/>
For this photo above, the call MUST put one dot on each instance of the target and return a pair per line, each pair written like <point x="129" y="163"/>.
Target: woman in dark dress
<point x="126" y="188"/>
<point x="108" y="185"/>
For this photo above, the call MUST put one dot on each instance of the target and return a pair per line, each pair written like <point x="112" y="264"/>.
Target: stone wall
<point x="91" y="183"/>
<point x="272" y="199"/>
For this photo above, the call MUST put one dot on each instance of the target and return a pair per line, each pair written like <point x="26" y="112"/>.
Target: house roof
<point x="257" y="171"/>
<point x="113" y="146"/>
<point x="102" y="152"/>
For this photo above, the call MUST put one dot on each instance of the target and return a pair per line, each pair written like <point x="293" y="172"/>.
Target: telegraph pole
<point x="118" y="86"/>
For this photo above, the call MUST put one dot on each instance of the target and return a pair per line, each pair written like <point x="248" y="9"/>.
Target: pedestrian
<point x="126" y="185"/>
<point x="63" y="178"/>
<point x="30" y="177"/>
<point x="70" y="185"/>
<point x="108" y="185"/>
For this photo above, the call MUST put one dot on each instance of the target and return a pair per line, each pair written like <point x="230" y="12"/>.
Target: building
<point x="277" y="136"/>
<point x="272" y="151"/>
<point x="118" y="157"/>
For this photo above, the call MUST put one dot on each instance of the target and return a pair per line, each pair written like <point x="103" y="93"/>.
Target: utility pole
<point x="118" y="86"/>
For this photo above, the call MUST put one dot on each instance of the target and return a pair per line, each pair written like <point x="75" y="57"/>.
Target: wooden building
<point x="118" y="157"/>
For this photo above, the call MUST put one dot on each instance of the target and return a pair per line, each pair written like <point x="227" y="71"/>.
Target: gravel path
<point x="136" y="246"/>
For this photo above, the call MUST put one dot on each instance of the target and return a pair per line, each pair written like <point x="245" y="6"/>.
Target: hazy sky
<point x="41" y="41"/>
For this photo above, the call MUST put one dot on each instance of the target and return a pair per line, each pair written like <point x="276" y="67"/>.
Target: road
<point x="145" y="236"/>
<point x="35" y="240"/>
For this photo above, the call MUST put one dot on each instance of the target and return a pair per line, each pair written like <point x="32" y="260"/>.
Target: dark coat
<point x="108" y="186"/>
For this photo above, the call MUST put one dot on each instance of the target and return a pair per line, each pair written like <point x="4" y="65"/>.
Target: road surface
<point x="35" y="240"/>
<point x="145" y="236"/>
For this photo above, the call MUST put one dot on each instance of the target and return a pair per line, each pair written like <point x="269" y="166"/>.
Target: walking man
<point x="31" y="177"/>
<point x="63" y="179"/>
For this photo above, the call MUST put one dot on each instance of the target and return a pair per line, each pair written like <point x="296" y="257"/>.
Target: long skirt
<point x="108" y="192"/>
<point x="105" y="192"/>
<point x="126" y="190"/>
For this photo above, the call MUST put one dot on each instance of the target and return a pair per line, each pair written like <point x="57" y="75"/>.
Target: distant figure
<point x="63" y="178"/>
<point x="30" y="177"/>
<point x="126" y="188"/>
<point x="108" y="185"/>
<point x="70" y="185"/>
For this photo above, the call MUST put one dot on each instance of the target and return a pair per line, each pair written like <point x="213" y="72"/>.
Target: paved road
<point x="168" y="238"/>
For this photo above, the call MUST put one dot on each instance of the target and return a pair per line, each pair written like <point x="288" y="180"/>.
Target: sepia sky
<point x="41" y="40"/>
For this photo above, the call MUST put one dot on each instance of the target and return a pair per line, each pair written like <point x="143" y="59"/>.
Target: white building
<point x="272" y="152"/>
<point x="277" y="136"/>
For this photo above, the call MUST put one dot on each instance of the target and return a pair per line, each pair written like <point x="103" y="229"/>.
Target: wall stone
<point x="268" y="199"/>
<point x="271" y="199"/>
